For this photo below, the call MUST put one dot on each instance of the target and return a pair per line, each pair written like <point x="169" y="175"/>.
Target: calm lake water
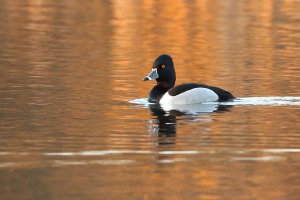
<point x="75" y="124"/>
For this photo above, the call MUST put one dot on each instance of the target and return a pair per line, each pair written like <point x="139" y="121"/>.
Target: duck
<point x="166" y="93"/>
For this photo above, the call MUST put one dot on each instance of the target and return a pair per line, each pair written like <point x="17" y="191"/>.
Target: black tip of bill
<point x="146" y="79"/>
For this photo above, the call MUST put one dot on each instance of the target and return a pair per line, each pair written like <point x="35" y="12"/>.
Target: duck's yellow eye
<point x="163" y="66"/>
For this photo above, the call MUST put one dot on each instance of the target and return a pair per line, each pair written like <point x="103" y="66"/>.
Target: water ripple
<point x="285" y="100"/>
<point x="103" y="157"/>
<point x="271" y="101"/>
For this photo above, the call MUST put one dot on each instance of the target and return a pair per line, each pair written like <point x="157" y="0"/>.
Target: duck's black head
<point x="163" y="71"/>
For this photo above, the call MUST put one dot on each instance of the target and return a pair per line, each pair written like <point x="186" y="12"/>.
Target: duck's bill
<point x="153" y="75"/>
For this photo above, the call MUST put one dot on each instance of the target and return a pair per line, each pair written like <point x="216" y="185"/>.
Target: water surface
<point x="75" y="123"/>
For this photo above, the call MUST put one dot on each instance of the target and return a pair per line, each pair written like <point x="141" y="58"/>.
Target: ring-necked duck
<point x="187" y="93"/>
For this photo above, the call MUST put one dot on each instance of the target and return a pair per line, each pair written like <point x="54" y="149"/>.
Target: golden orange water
<point x="69" y="68"/>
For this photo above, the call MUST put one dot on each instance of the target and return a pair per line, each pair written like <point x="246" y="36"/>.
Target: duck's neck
<point x="157" y="92"/>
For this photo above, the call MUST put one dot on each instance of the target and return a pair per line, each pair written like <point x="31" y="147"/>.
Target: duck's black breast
<point x="222" y="94"/>
<point x="156" y="93"/>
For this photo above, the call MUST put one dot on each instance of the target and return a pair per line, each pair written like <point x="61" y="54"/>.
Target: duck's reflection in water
<point x="164" y="124"/>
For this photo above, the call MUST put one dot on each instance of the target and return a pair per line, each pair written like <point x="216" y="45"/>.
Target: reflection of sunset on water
<point x="69" y="68"/>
